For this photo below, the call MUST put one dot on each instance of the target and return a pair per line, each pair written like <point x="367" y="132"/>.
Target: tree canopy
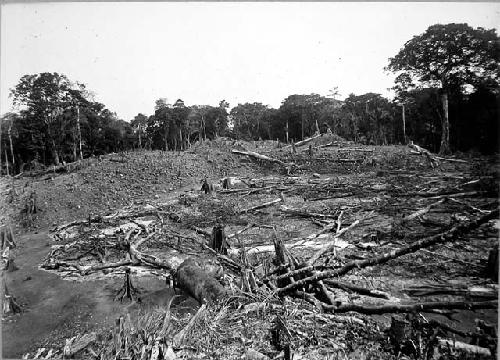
<point x="447" y="94"/>
<point x="455" y="58"/>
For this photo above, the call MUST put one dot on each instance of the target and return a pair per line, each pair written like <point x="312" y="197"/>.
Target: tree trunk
<point x="404" y="124"/>
<point x="203" y="132"/>
<point x="11" y="148"/>
<point x="445" y="133"/>
<point x="140" y="140"/>
<point x="74" y="149"/>
<point x="286" y="131"/>
<point x="6" y="162"/>
<point x="302" y="126"/>
<point x="79" y="131"/>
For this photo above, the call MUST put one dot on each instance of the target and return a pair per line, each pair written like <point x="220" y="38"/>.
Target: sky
<point x="131" y="54"/>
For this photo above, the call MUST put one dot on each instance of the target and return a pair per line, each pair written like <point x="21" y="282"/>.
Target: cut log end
<point x="195" y="280"/>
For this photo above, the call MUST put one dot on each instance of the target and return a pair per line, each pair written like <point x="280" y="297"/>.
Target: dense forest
<point x="447" y="99"/>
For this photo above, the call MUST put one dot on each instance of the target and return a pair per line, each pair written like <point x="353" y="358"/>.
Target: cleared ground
<point x="368" y="191"/>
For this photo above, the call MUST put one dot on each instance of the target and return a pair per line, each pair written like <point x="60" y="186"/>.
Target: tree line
<point x="447" y="98"/>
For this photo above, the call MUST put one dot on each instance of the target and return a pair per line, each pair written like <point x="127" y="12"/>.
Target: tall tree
<point x="249" y="121"/>
<point x="453" y="58"/>
<point x="139" y="124"/>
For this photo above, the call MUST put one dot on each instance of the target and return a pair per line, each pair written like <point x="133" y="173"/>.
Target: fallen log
<point x="306" y="214"/>
<point x="99" y="218"/>
<point x="98" y="267"/>
<point x="303" y="142"/>
<point x="307" y="243"/>
<point x="260" y="206"/>
<point x="358" y="289"/>
<point x="466" y="348"/>
<point x="409" y="308"/>
<point x="260" y="157"/>
<point x="423" y="211"/>
<point x="202" y="286"/>
<point x="471" y="292"/>
<point x="359" y="264"/>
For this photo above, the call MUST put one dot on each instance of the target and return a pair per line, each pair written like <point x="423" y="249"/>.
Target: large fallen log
<point x="261" y="157"/>
<point x="305" y="141"/>
<point x="260" y="206"/>
<point x="359" y="264"/>
<point x="468" y="349"/>
<point x="193" y="278"/>
<point x="408" y="308"/>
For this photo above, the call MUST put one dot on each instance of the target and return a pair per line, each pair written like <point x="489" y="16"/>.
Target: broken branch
<point x="426" y="242"/>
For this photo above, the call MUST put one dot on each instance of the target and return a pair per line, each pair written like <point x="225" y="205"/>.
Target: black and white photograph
<point x="249" y="180"/>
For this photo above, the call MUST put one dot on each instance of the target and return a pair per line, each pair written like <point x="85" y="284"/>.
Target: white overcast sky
<point x="130" y="54"/>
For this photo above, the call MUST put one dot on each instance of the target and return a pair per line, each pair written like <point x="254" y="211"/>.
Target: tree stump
<point x="128" y="290"/>
<point x="492" y="268"/>
<point x="9" y="304"/>
<point x="207" y="187"/>
<point x="218" y="241"/>
<point x="6" y="237"/>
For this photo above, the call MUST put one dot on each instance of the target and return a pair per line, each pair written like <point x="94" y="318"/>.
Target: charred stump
<point x="492" y="267"/>
<point x="281" y="336"/>
<point x="218" y="242"/>
<point x="207" y="187"/>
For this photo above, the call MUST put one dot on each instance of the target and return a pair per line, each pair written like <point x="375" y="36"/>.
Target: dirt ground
<point x="377" y="186"/>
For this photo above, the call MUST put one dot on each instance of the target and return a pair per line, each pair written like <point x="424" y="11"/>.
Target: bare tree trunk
<point x="404" y="124"/>
<point x="204" y="133"/>
<point x="55" y="155"/>
<point x="54" y="152"/>
<point x="74" y="148"/>
<point x="445" y="133"/>
<point x="180" y="139"/>
<point x="6" y="162"/>
<point x="302" y="126"/>
<point x="79" y="131"/>
<point x="11" y="147"/>
<point x="286" y="131"/>
<point x="140" y="140"/>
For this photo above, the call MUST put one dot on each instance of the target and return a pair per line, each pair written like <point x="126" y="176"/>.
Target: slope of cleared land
<point x="339" y="203"/>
